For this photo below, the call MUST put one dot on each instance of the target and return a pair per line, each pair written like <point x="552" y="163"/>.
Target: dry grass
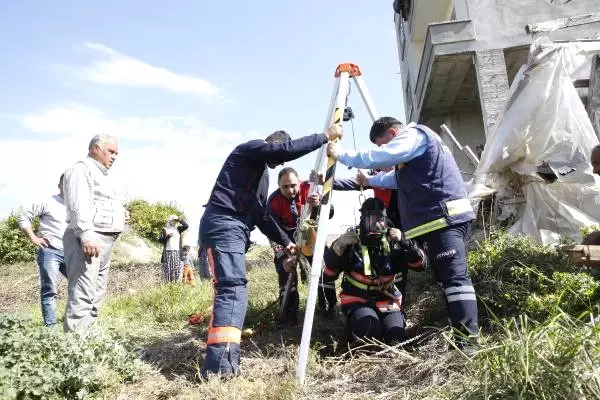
<point x="259" y="257"/>
<point x="20" y="283"/>
<point x="20" y="286"/>
<point x="152" y="319"/>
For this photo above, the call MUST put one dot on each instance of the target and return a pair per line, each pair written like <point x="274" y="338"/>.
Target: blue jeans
<point x="51" y="262"/>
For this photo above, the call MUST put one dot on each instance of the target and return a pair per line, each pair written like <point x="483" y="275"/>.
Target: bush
<point x="556" y="360"/>
<point x="41" y="363"/>
<point x="14" y="246"/>
<point x="147" y="219"/>
<point x="515" y="274"/>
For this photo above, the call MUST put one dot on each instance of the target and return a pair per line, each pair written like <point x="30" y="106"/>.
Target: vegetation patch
<point x="41" y="363"/>
<point x="516" y="275"/>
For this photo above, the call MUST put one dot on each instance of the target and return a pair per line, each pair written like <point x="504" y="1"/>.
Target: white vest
<point x="109" y="214"/>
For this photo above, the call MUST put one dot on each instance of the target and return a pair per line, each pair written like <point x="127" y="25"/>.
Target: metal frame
<point x="326" y="165"/>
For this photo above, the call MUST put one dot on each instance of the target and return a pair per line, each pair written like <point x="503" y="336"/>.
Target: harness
<point x="376" y="284"/>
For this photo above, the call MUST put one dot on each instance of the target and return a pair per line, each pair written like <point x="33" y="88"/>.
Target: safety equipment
<point x="343" y="73"/>
<point x="373" y="222"/>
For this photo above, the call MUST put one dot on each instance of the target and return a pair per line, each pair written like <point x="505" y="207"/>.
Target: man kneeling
<point x="374" y="261"/>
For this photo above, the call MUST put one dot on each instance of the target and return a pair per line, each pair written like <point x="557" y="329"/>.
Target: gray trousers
<point x="88" y="280"/>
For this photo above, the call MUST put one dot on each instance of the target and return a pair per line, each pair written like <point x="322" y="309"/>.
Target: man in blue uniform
<point x="237" y="204"/>
<point x="432" y="203"/>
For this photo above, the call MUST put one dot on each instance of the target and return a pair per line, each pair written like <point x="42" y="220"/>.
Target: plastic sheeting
<point x="545" y="129"/>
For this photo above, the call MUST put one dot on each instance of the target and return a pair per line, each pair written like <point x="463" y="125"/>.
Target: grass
<point x="556" y="360"/>
<point x="520" y="358"/>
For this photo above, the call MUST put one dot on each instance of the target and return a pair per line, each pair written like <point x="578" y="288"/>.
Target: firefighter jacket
<point x="374" y="275"/>
<point x="286" y="211"/>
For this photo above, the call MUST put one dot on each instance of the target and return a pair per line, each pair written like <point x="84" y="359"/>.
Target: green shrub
<point x="556" y="360"/>
<point x="14" y="246"/>
<point x="147" y="219"/>
<point x="586" y="230"/>
<point x="515" y="274"/>
<point x="41" y="363"/>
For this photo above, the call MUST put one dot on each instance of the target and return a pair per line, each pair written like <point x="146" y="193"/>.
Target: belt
<point x="454" y="207"/>
<point x="366" y="287"/>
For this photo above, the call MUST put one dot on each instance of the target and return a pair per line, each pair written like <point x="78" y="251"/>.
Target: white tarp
<point x="545" y="124"/>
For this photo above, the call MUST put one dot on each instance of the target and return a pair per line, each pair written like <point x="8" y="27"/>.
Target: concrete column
<point x="492" y="81"/>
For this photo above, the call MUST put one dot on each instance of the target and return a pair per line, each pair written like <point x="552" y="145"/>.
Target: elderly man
<point x="95" y="218"/>
<point x="49" y="240"/>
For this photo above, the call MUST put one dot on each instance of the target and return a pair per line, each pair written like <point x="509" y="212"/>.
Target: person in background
<point x="49" y="243"/>
<point x="388" y="196"/>
<point x="170" y="237"/>
<point x="594" y="237"/>
<point x="188" y="266"/>
<point x="95" y="219"/>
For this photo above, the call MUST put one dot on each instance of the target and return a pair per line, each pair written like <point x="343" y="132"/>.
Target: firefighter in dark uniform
<point x="236" y="205"/>
<point x="373" y="260"/>
<point x="433" y="206"/>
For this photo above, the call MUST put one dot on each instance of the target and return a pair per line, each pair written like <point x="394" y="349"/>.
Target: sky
<point x="180" y="84"/>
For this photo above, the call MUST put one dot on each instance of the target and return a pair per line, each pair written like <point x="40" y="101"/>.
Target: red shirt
<point x="384" y="195"/>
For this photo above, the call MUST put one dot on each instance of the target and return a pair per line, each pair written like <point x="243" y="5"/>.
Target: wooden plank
<point x="471" y="155"/>
<point x="561" y="23"/>
<point x="465" y="149"/>
<point x="582" y="254"/>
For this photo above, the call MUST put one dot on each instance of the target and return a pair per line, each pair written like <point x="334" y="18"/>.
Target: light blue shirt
<point x="407" y="145"/>
<point x="384" y="180"/>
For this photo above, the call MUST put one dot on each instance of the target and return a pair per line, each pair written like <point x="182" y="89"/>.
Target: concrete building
<point x="459" y="57"/>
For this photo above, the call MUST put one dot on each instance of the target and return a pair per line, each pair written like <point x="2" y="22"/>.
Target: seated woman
<point x="373" y="261"/>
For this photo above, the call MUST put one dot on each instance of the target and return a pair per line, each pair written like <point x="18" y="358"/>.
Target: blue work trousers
<point x="448" y="259"/>
<point x="225" y="239"/>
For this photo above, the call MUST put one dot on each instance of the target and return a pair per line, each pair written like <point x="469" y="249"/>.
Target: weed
<point x="41" y="363"/>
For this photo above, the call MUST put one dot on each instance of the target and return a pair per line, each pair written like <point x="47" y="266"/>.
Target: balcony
<point x="445" y="65"/>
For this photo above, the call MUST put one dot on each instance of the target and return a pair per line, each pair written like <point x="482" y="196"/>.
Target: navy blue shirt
<point x="241" y="189"/>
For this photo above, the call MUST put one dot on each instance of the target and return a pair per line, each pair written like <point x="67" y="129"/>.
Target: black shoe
<point x="222" y="375"/>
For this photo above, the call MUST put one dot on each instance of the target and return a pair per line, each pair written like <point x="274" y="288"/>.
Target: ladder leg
<point x="317" y="261"/>
<point x="366" y="96"/>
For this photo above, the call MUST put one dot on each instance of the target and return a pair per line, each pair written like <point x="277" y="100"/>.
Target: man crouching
<point x="374" y="261"/>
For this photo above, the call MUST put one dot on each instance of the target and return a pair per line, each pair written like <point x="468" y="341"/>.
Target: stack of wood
<point x="583" y="254"/>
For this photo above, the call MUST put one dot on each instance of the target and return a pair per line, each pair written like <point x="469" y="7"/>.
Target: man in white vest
<point x="95" y="218"/>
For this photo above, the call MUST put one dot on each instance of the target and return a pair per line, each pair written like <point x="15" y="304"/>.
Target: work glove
<point x="279" y="251"/>
<point x="341" y="243"/>
<point x="415" y="257"/>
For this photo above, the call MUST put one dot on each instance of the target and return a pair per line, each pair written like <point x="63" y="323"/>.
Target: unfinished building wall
<point x="466" y="125"/>
<point x="500" y="23"/>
